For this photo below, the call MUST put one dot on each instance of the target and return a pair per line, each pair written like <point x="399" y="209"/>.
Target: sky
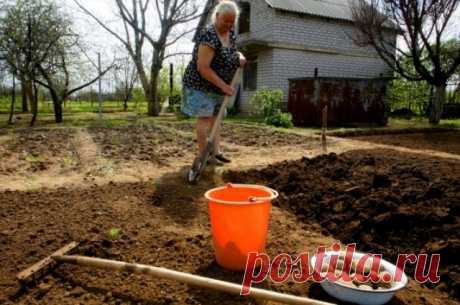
<point x="99" y="40"/>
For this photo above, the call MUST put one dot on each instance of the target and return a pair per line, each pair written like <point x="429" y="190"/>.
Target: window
<point x="250" y="75"/>
<point x="245" y="16"/>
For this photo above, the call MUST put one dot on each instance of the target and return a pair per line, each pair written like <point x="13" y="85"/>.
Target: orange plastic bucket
<point x="239" y="215"/>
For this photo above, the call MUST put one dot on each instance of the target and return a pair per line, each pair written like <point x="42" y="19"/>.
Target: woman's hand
<point x="205" y="56"/>
<point x="243" y="60"/>
<point x="227" y="90"/>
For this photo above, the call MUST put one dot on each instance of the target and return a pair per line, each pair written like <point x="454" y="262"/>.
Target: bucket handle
<point x="274" y="194"/>
<point x="259" y="199"/>
<point x="252" y="199"/>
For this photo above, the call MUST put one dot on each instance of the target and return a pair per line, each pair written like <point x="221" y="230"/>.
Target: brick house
<point x="289" y="39"/>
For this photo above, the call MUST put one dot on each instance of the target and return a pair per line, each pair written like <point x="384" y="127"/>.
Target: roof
<point x="335" y="9"/>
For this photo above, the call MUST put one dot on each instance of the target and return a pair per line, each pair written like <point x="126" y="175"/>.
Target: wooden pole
<point x="187" y="278"/>
<point x="100" y="85"/>
<point x="171" y="78"/>
<point x="323" y="133"/>
<point x="13" y="100"/>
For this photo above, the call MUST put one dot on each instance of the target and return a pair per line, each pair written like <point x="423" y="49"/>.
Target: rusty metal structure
<point x="349" y="101"/>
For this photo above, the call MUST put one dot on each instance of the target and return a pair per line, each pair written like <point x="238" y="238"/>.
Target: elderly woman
<point x="208" y="76"/>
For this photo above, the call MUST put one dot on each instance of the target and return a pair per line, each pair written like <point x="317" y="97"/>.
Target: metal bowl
<point x="358" y="295"/>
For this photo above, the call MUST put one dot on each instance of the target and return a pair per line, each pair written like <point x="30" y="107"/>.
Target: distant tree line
<point x="424" y="54"/>
<point x="42" y="51"/>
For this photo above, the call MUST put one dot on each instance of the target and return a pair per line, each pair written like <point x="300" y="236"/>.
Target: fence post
<point x="323" y="133"/>
<point x="100" y="85"/>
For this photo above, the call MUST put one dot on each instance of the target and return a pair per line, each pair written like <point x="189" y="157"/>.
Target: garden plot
<point x="386" y="202"/>
<point x="36" y="151"/>
<point x="252" y="135"/>
<point x="141" y="143"/>
<point x="50" y="158"/>
<point x="163" y="224"/>
<point x="448" y="142"/>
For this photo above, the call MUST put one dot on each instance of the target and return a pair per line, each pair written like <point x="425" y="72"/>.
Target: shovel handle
<point x="235" y="80"/>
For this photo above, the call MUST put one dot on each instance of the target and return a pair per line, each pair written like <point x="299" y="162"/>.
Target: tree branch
<point x="177" y="54"/>
<point x="103" y="25"/>
<point x="179" y="37"/>
<point x="133" y="24"/>
<point x="90" y="82"/>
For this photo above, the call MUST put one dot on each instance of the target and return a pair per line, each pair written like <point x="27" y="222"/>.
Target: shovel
<point x="199" y="163"/>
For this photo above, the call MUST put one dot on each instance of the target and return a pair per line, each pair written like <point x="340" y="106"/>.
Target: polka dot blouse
<point x="225" y="62"/>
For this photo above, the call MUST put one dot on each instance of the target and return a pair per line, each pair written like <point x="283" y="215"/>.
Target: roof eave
<point x="388" y="27"/>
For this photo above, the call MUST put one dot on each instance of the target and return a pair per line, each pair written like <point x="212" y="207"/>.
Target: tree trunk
<point x="153" y="106"/>
<point x="150" y="87"/>
<point x="125" y="104"/>
<point x="437" y="105"/>
<point x="145" y="84"/>
<point x="13" y="100"/>
<point x="57" y="105"/>
<point x="57" y="110"/>
<point x="25" y="107"/>
<point x="32" y="95"/>
<point x="427" y="111"/>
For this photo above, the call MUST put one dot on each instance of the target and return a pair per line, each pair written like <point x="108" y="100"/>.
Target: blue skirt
<point x="197" y="103"/>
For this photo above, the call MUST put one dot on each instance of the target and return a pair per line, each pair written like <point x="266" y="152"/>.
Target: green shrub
<point x="280" y="119"/>
<point x="268" y="103"/>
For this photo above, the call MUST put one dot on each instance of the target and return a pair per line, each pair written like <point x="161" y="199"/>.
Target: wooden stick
<point x="187" y="278"/>
<point x="323" y="133"/>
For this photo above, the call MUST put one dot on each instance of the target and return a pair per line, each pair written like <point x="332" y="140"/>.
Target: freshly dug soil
<point x="386" y="202"/>
<point x="35" y="150"/>
<point x="164" y="223"/>
<point x="448" y="142"/>
<point x="247" y="135"/>
<point x="144" y="143"/>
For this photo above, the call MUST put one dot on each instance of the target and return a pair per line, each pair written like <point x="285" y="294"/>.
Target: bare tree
<point x="57" y="74"/>
<point x="27" y="36"/>
<point x="39" y="45"/>
<point x="422" y="26"/>
<point x="169" y="15"/>
<point x="125" y="78"/>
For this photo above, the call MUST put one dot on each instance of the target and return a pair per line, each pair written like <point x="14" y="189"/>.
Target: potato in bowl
<point x="358" y="288"/>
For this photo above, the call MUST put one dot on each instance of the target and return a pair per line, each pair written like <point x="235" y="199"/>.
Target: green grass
<point x="5" y="105"/>
<point x="46" y="107"/>
<point x="398" y="124"/>
<point x="453" y="123"/>
<point x="85" y="114"/>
